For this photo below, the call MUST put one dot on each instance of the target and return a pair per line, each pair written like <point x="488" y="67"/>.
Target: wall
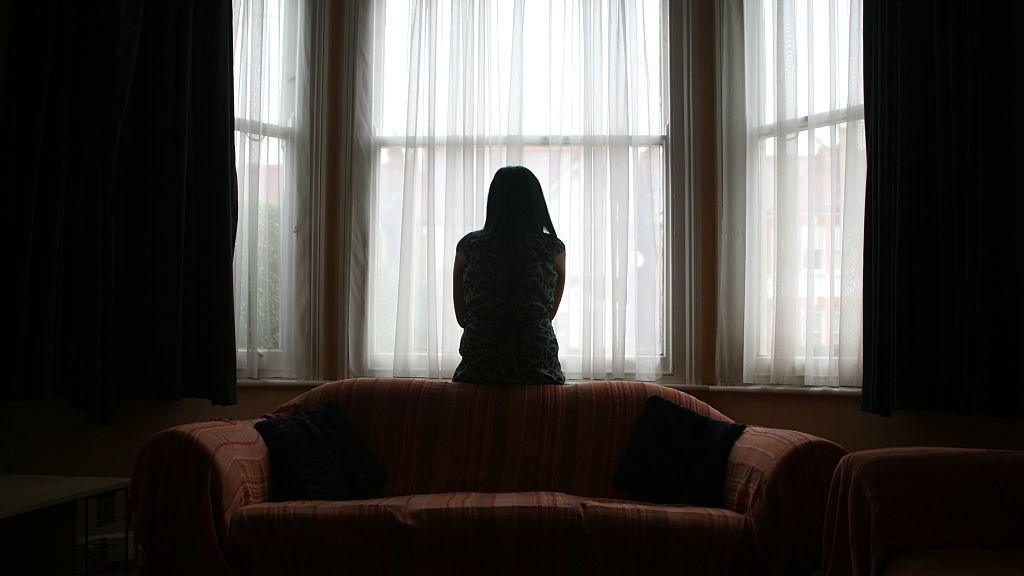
<point x="47" y="437"/>
<point x="840" y="419"/>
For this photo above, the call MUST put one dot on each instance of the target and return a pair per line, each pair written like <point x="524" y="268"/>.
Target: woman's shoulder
<point x="554" y="245"/>
<point x="544" y="245"/>
<point x="469" y="241"/>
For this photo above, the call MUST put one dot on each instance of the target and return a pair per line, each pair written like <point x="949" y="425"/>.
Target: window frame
<point x="792" y="127"/>
<point x="380" y="363"/>
<point x="262" y="362"/>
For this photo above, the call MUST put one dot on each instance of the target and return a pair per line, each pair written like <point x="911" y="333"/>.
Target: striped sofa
<point x="481" y="480"/>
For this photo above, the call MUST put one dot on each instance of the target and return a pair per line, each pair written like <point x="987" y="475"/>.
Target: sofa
<point x="926" y="512"/>
<point x="481" y="480"/>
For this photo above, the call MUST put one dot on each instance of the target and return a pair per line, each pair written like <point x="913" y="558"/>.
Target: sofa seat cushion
<point x="626" y="537"/>
<point x="482" y="533"/>
<point x="464" y="532"/>
<point x="957" y="562"/>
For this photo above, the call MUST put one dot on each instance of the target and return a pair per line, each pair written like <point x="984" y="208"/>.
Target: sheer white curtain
<point x="792" y="176"/>
<point x="272" y="44"/>
<point x="572" y="89"/>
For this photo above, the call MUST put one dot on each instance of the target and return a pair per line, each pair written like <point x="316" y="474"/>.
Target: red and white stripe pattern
<point x="480" y="479"/>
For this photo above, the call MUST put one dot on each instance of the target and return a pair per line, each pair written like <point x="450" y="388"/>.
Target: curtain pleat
<point x="732" y="86"/>
<point x="118" y="151"/>
<point x="943" y="248"/>
<point x="355" y="50"/>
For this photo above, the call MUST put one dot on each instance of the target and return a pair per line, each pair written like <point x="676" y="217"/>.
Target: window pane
<point x="768" y="56"/>
<point x="387" y="249"/>
<point x="801" y="55"/>
<point x="765" y="255"/>
<point x="813" y="66"/>
<point x="561" y="171"/>
<point x="559" y="73"/>
<point x="261" y="175"/>
<point x="264" y="74"/>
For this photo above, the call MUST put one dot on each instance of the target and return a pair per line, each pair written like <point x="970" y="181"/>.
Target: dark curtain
<point x="943" y="232"/>
<point x="118" y="164"/>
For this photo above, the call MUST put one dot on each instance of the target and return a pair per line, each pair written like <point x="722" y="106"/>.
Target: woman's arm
<point x="457" y="294"/>
<point x="559" y="283"/>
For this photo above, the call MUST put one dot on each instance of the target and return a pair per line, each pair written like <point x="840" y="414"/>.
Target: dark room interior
<point x="513" y="287"/>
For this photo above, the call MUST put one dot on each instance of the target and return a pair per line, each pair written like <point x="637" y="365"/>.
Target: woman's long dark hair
<point x="515" y="208"/>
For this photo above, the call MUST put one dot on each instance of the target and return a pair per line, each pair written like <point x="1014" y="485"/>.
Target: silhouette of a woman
<point x="508" y="282"/>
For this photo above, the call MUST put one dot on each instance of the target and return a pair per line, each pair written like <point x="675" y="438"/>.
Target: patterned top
<point x="493" y="351"/>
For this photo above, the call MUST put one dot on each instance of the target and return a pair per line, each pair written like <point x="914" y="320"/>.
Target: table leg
<point x="85" y="523"/>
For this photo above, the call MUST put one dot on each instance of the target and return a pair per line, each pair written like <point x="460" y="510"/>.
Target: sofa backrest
<point x="433" y="436"/>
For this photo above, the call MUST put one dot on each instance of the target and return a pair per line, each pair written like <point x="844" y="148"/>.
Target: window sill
<point x="277" y="383"/>
<point x="767" y="389"/>
<point x="744" y="389"/>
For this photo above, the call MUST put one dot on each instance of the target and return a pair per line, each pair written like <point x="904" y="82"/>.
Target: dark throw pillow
<point x="318" y="455"/>
<point x="676" y="456"/>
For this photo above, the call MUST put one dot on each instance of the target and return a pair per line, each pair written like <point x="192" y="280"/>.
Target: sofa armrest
<point x="780" y="479"/>
<point x="886" y="501"/>
<point x="187" y="483"/>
